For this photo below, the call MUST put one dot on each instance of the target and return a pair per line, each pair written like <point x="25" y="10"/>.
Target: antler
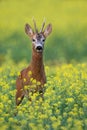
<point x="43" y="25"/>
<point x="35" y="26"/>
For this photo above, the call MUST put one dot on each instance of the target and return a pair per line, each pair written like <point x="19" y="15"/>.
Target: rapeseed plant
<point x="65" y="100"/>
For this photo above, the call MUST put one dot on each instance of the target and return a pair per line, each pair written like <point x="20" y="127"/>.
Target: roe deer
<point x="36" y="66"/>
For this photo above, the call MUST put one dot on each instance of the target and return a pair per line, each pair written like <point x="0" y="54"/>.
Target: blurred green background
<point x="68" y="41"/>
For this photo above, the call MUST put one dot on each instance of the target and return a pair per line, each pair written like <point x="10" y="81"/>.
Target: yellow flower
<point x="56" y="124"/>
<point x="34" y="81"/>
<point x="24" y="79"/>
<point x="63" y="128"/>
<point x="32" y="125"/>
<point x="4" y="127"/>
<point x="29" y="73"/>
<point x="31" y="79"/>
<point x="69" y="120"/>
<point x="25" y="87"/>
<point x="70" y="100"/>
<point x="1" y="119"/>
<point x="38" y="83"/>
<point x="19" y="99"/>
<point x="9" y="102"/>
<point x="1" y="106"/>
<point x="78" y="124"/>
<point x="53" y="118"/>
<point x="20" y="113"/>
<point x="11" y="119"/>
<point x="6" y="115"/>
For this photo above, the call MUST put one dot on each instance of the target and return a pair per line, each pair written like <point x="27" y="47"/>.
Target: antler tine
<point x="43" y="25"/>
<point x="35" y="26"/>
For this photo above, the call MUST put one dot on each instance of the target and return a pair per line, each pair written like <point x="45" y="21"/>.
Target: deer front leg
<point x="19" y="93"/>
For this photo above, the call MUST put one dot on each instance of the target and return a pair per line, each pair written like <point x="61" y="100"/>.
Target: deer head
<point x="38" y="38"/>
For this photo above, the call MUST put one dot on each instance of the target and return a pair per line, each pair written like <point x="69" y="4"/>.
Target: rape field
<point x="65" y="99"/>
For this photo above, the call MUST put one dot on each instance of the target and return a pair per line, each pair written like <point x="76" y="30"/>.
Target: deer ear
<point x="28" y="30"/>
<point x="48" y="30"/>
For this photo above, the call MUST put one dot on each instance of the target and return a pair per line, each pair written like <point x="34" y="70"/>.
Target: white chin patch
<point x="39" y="51"/>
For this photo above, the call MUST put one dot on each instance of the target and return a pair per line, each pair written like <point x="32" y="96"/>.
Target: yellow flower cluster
<point x="65" y="100"/>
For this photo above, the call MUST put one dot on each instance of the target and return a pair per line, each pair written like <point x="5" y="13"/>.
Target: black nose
<point x="39" y="48"/>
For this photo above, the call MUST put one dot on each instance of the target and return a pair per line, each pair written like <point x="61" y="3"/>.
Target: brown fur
<point x="37" y="68"/>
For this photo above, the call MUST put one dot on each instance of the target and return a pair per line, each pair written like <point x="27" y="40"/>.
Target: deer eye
<point x="43" y="40"/>
<point x="33" y="40"/>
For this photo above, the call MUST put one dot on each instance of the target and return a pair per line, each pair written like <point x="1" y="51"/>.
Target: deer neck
<point x="37" y="62"/>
